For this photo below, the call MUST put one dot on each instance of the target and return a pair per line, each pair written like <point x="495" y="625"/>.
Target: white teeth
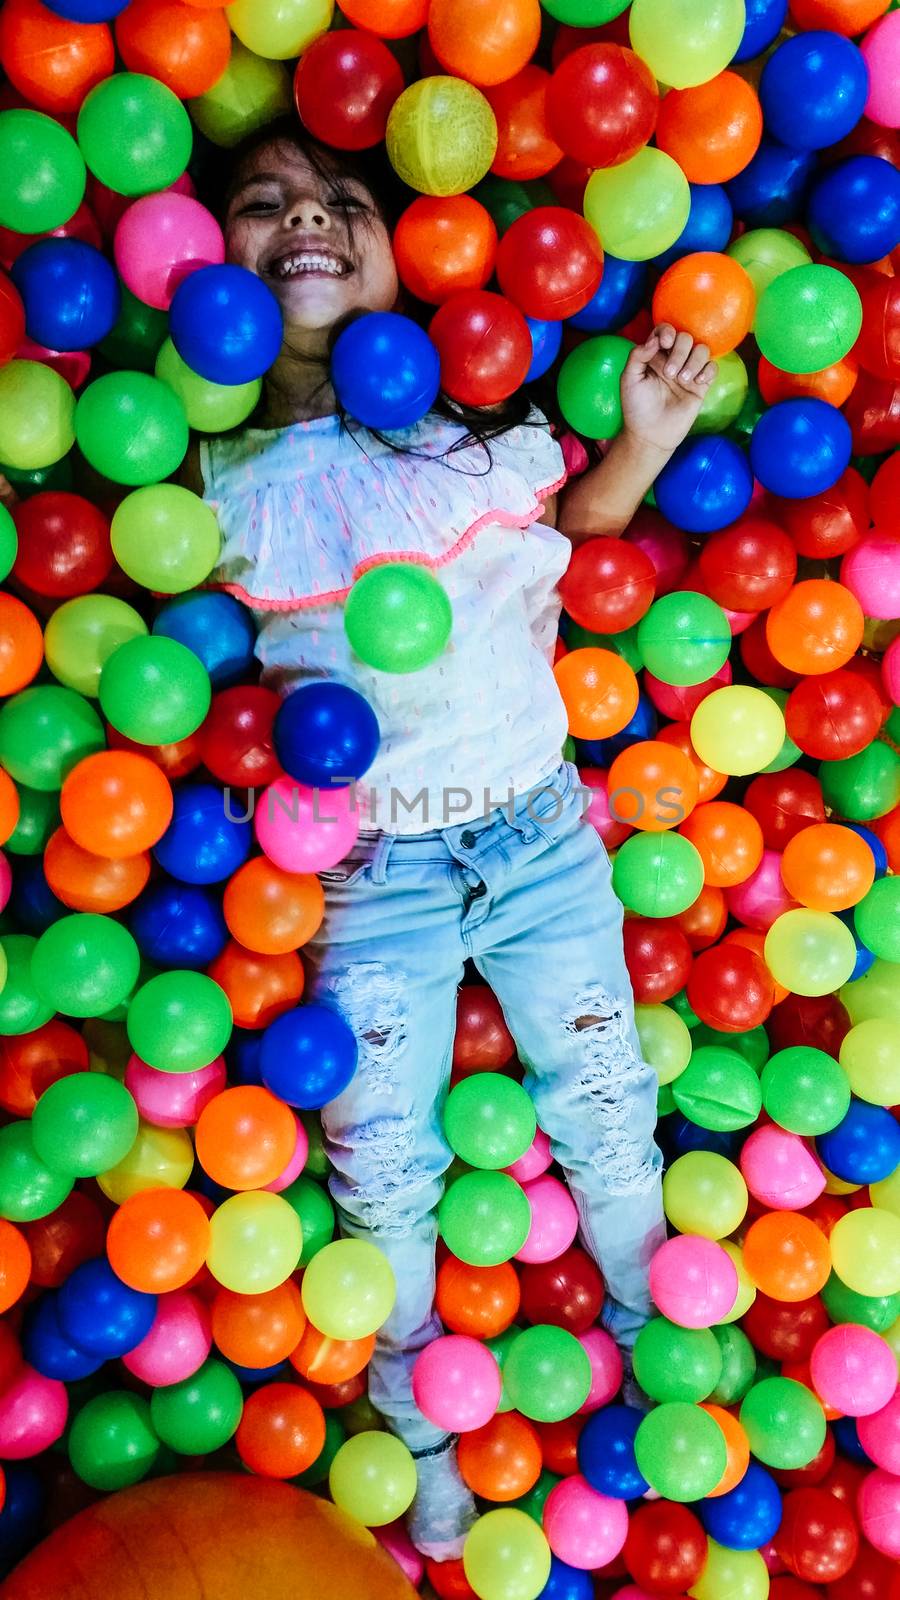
<point x="309" y="261"/>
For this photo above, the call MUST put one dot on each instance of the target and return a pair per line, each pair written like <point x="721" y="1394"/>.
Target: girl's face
<point x="321" y="246"/>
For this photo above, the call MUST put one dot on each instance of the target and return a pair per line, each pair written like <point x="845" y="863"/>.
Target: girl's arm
<point x="663" y="388"/>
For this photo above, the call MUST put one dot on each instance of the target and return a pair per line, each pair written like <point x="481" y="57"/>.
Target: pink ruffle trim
<point x="506" y="519"/>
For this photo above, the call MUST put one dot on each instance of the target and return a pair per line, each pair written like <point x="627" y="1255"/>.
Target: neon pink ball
<point x="178" y="1342"/>
<point x="456" y="1383"/>
<point x="881" y="51"/>
<point x="606" y="1368"/>
<point x="666" y="546"/>
<point x="693" y="1281"/>
<point x="396" y="1541"/>
<point x="6" y="880"/>
<point x="879" y="1435"/>
<point x="853" y="1370"/>
<point x="554" y="1220"/>
<point x="739" y="621"/>
<point x="160" y="240"/>
<point x="537" y="1159"/>
<point x="762" y="897"/>
<point x="890" y="670"/>
<point x="871" y="570"/>
<point x="173" y="1099"/>
<point x="612" y="831"/>
<point x="680" y="703"/>
<point x="632" y="1592"/>
<point x="296" y="1164"/>
<point x="305" y="830"/>
<point x="878" y="1506"/>
<point x="33" y="1414"/>
<point x="780" y="1170"/>
<point x="584" y="1528"/>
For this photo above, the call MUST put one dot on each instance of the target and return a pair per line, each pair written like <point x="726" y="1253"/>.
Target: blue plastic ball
<point x="71" y="293"/>
<point x="707" y="484"/>
<point x="813" y="90"/>
<point x="202" y="843"/>
<point x="854" y="209"/>
<point x="22" y="1512"/>
<point x="865" y="958"/>
<point x="385" y="370"/>
<point x="226" y="324"/>
<point x="683" y="1136"/>
<point x="864" y="1147"/>
<point x="546" y="340"/>
<point x="747" y="1516"/>
<point x="308" y="1056"/>
<point x="49" y="1351"/>
<point x="846" y="1437"/>
<point x="765" y="20"/>
<point x="179" y="925"/>
<point x="242" y="1055"/>
<point x="619" y="297"/>
<point x="709" y="225"/>
<point x="800" y="448"/>
<point x="101" y="1314"/>
<point x="643" y="725"/>
<point x="772" y="188"/>
<point x="606" y="1453"/>
<point x="567" y="1583"/>
<point x="217" y="628"/>
<point x="251" y="1377"/>
<point x="326" y="734"/>
<point x="87" y="10"/>
<point x="875" y="845"/>
<point x="32" y="902"/>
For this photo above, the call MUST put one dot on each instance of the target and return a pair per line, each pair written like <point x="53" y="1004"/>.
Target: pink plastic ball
<point x="879" y="1512"/>
<point x="72" y="365"/>
<point x="739" y="621"/>
<point x="666" y="546"/>
<point x="871" y="570"/>
<point x="881" y="51"/>
<point x="296" y="1164"/>
<point x="173" y="1099"/>
<point x="6" y="880"/>
<point x="554" y="1220"/>
<point x="853" y="1370"/>
<point x="781" y="1171"/>
<point x="693" y="1281"/>
<point x="396" y="1541"/>
<point x="890" y="670"/>
<point x="612" y="832"/>
<point x="456" y="1383"/>
<point x="678" y="703"/>
<point x="305" y="830"/>
<point x="178" y="1342"/>
<point x="879" y="1435"/>
<point x="632" y="1592"/>
<point x="537" y="1159"/>
<point x="160" y="240"/>
<point x="606" y="1368"/>
<point x="33" y="1414"/>
<point x="762" y="897"/>
<point x="584" y="1528"/>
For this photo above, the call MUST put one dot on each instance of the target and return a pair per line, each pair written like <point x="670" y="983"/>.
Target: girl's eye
<point x="347" y="202"/>
<point x="258" y="208"/>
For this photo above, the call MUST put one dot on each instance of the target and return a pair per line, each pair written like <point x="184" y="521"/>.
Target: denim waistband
<point x="521" y="812"/>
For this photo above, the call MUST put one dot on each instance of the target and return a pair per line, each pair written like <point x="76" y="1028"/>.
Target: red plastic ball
<point x="525" y="147"/>
<point x="61" y="1241"/>
<point x="443" y="245"/>
<point x="784" y="803"/>
<point x="344" y="88"/>
<point x="814" y="1472"/>
<point x="482" y="1042"/>
<point x="871" y="1577"/>
<point x="731" y="988"/>
<point x="785" y="1330"/>
<point x="821" y="1021"/>
<point x="665" y="1550"/>
<point x="749" y="566"/>
<point x="608" y="585"/>
<point x="550" y="263"/>
<point x="559" y="1444"/>
<point x="873" y="412"/>
<point x="827" y="524"/>
<point x="833" y="716"/>
<point x="759" y="660"/>
<point x="884" y="494"/>
<point x="12" y="320"/>
<point x="602" y="104"/>
<point x="878" y="345"/>
<point x="658" y="958"/>
<point x="64" y="545"/>
<point x="566" y="1292"/>
<point x="236" y="738"/>
<point x="484" y="345"/>
<point x="818" y="1539"/>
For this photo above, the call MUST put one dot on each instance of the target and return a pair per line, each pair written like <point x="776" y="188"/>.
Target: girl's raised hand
<point x="663" y="387"/>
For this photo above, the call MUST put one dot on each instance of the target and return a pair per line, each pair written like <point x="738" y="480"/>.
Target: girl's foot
<point x="444" y="1508"/>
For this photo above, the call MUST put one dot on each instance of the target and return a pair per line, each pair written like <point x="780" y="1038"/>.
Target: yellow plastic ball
<point x="737" y="730"/>
<point x="279" y="29"/>
<point x="506" y="1556"/>
<point x="705" y="1193"/>
<point x="83" y="633"/>
<point x="665" y="1040"/>
<point x="639" y="208"/>
<point x="886" y="1194"/>
<point x="865" y="1251"/>
<point x="441" y="136"/>
<point x="160" y="1158"/>
<point x="875" y="994"/>
<point x="747" y="1290"/>
<point x="891" y="1336"/>
<point x="810" y="952"/>
<point x="686" y="42"/>
<point x="731" y="1575"/>
<point x="348" y="1289"/>
<point x="870" y="1056"/>
<point x="373" y="1478"/>
<point x="251" y="92"/>
<point x="37" y="416"/>
<point x="255" y="1242"/>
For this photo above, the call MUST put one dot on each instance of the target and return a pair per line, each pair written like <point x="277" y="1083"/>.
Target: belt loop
<point x="383" y="846"/>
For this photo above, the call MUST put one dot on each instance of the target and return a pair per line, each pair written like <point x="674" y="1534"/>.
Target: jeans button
<point x="467" y="840"/>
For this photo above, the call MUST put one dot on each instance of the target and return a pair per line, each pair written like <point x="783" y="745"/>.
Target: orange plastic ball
<point x="484" y="41"/>
<point x="502" y="1460"/>
<point x="245" y="1137"/>
<point x="390" y="19"/>
<point x="158" y="1240"/>
<point x="281" y="1431"/>
<point x="479" y="1301"/>
<point x="737" y="1446"/>
<point x="9" y="806"/>
<point x="827" y="867"/>
<point x="330" y="1361"/>
<point x="705" y="920"/>
<point x="116" y="804"/>
<point x="849" y="17"/>
<point x="787" y="1256"/>
<point x="709" y="782"/>
<point x="30" y="1062"/>
<point x="709" y="296"/>
<point x="834" y="384"/>
<point x="652" y="786"/>
<point x="21" y="645"/>
<point x="599" y="690"/>
<point x="271" y="911"/>
<point x="186" y="48"/>
<point x="525" y="149"/>
<point x="443" y="244"/>
<point x="259" y="987"/>
<point x="87" y="882"/>
<point x="53" y="62"/>
<point x="15" y="1265"/>
<point x="258" y="1330"/>
<point x="729" y="839"/>
<point x="175" y="760"/>
<point x="713" y="130"/>
<point x="817" y="627"/>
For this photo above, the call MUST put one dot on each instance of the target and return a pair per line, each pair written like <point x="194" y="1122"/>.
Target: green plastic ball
<point x="673" y="1363"/>
<point x="44" y="733"/>
<point x="42" y="173"/>
<point x="681" y="1451"/>
<point x="135" y="338"/>
<point x="547" y="1373"/>
<point x="154" y="690"/>
<point x="85" y="964"/>
<point x="201" y="1413"/>
<point x="665" y="1041"/>
<point x="766" y="253"/>
<point x="805" y="1090"/>
<point x="37" y="414"/>
<point x="489" y="1120"/>
<point x="657" y="874"/>
<point x="83" y="633"/>
<point x="865" y="786"/>
<point x="316" y="1212"/>
<point x="38" y="819"/>
<point x="398" y="617"/>
<point x="589" y="386"/>
<point x="484" y="1218"/>
<point x="112" y="1441"/>
<point x="166" y="538"/>
<point x="876" y="1311"/>
<point x="84" y="1124"/>
<point x="705" y="1193"/>
<point x="808" y="318"/>
<point x="585" y="13"/>
<point x="28" y="1189"/>
<point x="179" y="1021"/>
<point x="877" y="919"/>
<point x="209" y="407"/>
<point x="738" y="1364"/>
<point x="752" y="1045"/>
<point x="9" y="543"/>
<point x="684" y="638"/>
<point x="22" y="1007"/>
<point x="784" y="1422"/>
<point x="719" y="1090"/>
<point x="135" y="134"/>
<point x="500" y="1346"/>
<point x="131" y="428"/>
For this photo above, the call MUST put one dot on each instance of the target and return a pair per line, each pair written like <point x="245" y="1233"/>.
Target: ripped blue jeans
<point x="526" y="893"/>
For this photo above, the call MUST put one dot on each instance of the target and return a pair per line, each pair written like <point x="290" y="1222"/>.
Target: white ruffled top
<point x="305" y="510"/>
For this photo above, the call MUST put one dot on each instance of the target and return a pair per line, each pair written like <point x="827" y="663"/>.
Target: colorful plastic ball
<point x="326" y="735"/>
<point x="525" y="147"/>
<point x="879" y="1499"/>
<point x="444" y="245"/>
<point x="709" y="225"/>
<point x="618" y="298"/>
<point x="854" y="208"/>
<point x="658" y="958"/>
<point x="348" y="1289"/>
<point x="158" y="1239"/>
<point x="30" y="1190"/>
<point x="112" y="1443"/>
<point x="712" y="130"/>
<point x="160" y="240"/>
<point x="83" y="1124"/>
<point x="484" y="345"/>
<point x="640" y="207"/>
<point x="226" y="324"/>
<point x="879" y="1434"/>
<point x="872" y="573"/>
<point x="737" y="730"/>
<point x="203" y="844"/>
<point x="818" y="1539"/>
<point x="101" y="1314"/>
<point x="44" y="173"/>
<point x="864" y="1147"/>
<point x="489" y="1121"/>
<point x="131" y="428"/>
<point x="808" y="318"/>
<point x="780" y="1171"/>
<point x="385" y="371"/>
<point x="281" y="1431"/>
<point x="708" y="295"/>
<point x="827" y="867"/>
<point x="46" y="1348"/>
<point x="549" y="262"/>
<point x="37" y="414"/>
<point x="179" y="1021"/>
<point x="602" y="103"/>
<point x="173" y="1100"/>
<point x="868" y="1057"/>
<point x="787" y="1256"/>
<point x="681" y="48"/>
<point x="546" y="341"/>
<point x="800" y="447"/>
<point x="772" y="186"/>
<point x="672" y="1362"/>
<point x="666" y="1548"/>
<point x="719" y="1090"/>
<point x="85" y="965"/>
<point x="658" y="875"/>
<point x="69" y="291"/>
<point x="833" y="715"/>
<point x="188" y="53"/>
<point x="483" y="44"/>
<point x="693" y="1282"/>
<point x="880" y="50"/>
<point x="813" y="90"/>
<point x="810" y="952"/>
<point x="308" y="1056"/>
<point x="398" y="617"/>
<point x="854" y="1370"/>
<point x="209" y="407"/>
<point x="816" y="628"/>
<point x="219" y="630"/>
<point x="589" y="386"/>
<point x="15" y="1264"/>
<point x="502" y="1460"/>
<point x="255" y="1242"/>
<point x="456" y="1383"/>
<point x="705" y="1194"/>
<point x="199" y="1414"/>
<point x="706" y="485"/>
<point x="134" y="133"/>
<point x="684" y="638"/>
<point x="547" y="1373"/>
<point x="441" y="136"/>
<point x="784" y="1423"/>
<point x="50" y="62"/>
<point x="584" y="1528"/>
<point x="567" y="1291"/>
<point x="507" y="1553"/>
<point x="747" y="1516"/>
<point x="680" y="1450"/>
<point x="251" y="92"/>
<point x="865" y="786"/>
<point x="373" y="1478"/>
<point x="484" y="1218"/>
<point x="344" y="87"/>
<point x="165" y="538"/>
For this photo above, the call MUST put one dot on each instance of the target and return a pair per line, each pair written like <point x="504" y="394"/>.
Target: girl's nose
<point x="309" y="213"/>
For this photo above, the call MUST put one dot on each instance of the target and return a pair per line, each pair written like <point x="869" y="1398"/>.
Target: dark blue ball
<point x="49" y="1351"/>
<point x="226" y="324"/>
<point x="709" y="225"/>
<point x="864" y="958"/>
<point x="683" y="1136"/>
<point x="567" y="1583"/>
<point x="813" y="90"/>
<point x="707" y="484"/>
<point x="202" y="843"/>
<point x="606" y="1453"/>
<point x="643" y="725"/>
<point x="854" y="209"/>
<point x="800" y="448"/>
<point x="765" y="20"/>
<point x="242" y="1056"/>
<point x="32" y="902"/>
<point x="619" y="297"/>
<point x="217" y="628"/>
<point x="748" y="1516"/>
<point x="308" y="1056"/>
<point x="87" y="10"/>
<point x="385" y="370"/>
<point x="772" y="188"/>
<point x="864" y="1147"/>
<point x="101" y="1314"/>
<point x="250" y="1377"/>
<point x="23" y="1509"/>
<point x="71" y="293"/>
<point x="546" y="339"/>
<point x="874" y="844"/>
<point x="326" y="734"/>
<point x="179" y="925"/>
<point x="846" y="1437"/>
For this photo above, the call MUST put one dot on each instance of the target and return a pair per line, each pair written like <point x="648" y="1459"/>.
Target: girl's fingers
<point x="708" y="374"/>
<point x="665" y="334"/>
<point x="644" y="353"/>
<point x="696" y="361"/>
<point x="679" y="354"/>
